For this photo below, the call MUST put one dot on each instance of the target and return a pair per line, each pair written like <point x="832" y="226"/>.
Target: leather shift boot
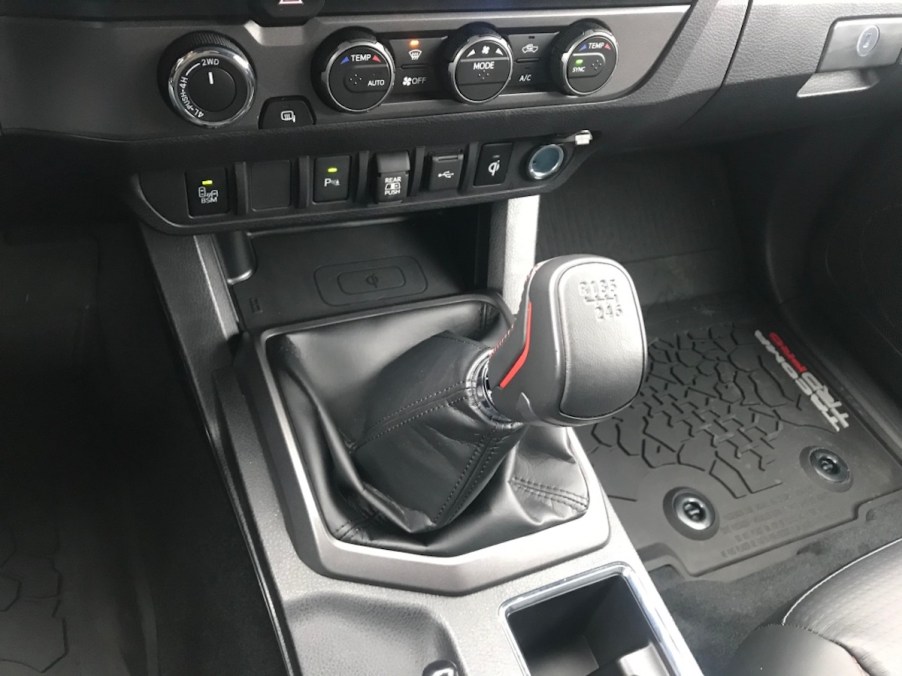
<point x="333" y="377"/>
<point x="428" y="442"/>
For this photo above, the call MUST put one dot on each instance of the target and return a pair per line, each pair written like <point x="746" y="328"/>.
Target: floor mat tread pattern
<point x="721" y="414"/>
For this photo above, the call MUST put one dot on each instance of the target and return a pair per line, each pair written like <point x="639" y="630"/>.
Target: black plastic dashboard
<point x="325" y="111"/>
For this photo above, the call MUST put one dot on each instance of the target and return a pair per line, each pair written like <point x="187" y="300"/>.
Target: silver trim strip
<point x="452" y="575"/>
<point x="512" y="246"/>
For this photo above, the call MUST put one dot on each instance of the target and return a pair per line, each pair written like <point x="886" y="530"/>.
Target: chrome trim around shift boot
<point x="319" y="549"/>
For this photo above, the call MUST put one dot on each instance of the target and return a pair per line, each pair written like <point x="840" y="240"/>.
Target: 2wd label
<point x="810" y="385"/>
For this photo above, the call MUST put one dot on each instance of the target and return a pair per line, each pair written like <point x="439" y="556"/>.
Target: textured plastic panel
<point x="109" y="90"/>
<point x="779" y="52"/>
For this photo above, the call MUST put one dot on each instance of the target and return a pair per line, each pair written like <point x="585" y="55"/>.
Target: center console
<point x="324" y="187"/>
<point x="337" y="70"/>
<point x="535" y="575"/>
<point x="395" y="439"/>
<point x="341" y="208"/>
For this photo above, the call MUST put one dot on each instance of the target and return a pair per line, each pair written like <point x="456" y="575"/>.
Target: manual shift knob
<point x="577" y="350"/>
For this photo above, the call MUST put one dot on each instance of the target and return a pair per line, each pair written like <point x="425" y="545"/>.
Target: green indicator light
<point x="207" y="183"/>
<point x="579" y="62"/>
<point x="332" y="170"/>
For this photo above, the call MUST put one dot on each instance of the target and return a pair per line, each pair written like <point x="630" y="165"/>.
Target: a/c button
<point x="331" y="178"/>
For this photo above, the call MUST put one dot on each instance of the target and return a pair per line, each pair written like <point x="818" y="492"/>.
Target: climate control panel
<point x="355" y="71"/>
<point x="210" y="80"/>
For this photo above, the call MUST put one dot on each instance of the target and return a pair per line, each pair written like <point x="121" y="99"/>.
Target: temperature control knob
<point x="207" y="79"/>
<point x="583" y="58"/>
<point x="354" y="71"/>
<point x="478" y="64"/>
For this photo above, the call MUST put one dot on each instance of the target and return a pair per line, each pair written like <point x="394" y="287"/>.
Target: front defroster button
<point x="331" y="178"/>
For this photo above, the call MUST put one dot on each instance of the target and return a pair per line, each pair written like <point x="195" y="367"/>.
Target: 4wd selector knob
<point x="207" y="79"/>
<point x="354" y="71"/>
<point x="479" y="63"/>
<point x="583" y="58"/>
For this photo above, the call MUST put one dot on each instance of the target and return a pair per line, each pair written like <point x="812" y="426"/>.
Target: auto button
<point x="355" y="71"/>
<point x="366" y="76"/>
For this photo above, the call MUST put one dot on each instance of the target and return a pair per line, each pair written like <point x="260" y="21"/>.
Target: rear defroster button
<point x="392" y="176"/>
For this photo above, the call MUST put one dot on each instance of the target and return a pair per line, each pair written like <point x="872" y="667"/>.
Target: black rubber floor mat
<point x="682" y="244"/>
<point x="731" y="411"/>
<point x="66" y="599"/>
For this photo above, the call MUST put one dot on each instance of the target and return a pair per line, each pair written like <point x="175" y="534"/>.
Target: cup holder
<point x="596" y="629"/>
